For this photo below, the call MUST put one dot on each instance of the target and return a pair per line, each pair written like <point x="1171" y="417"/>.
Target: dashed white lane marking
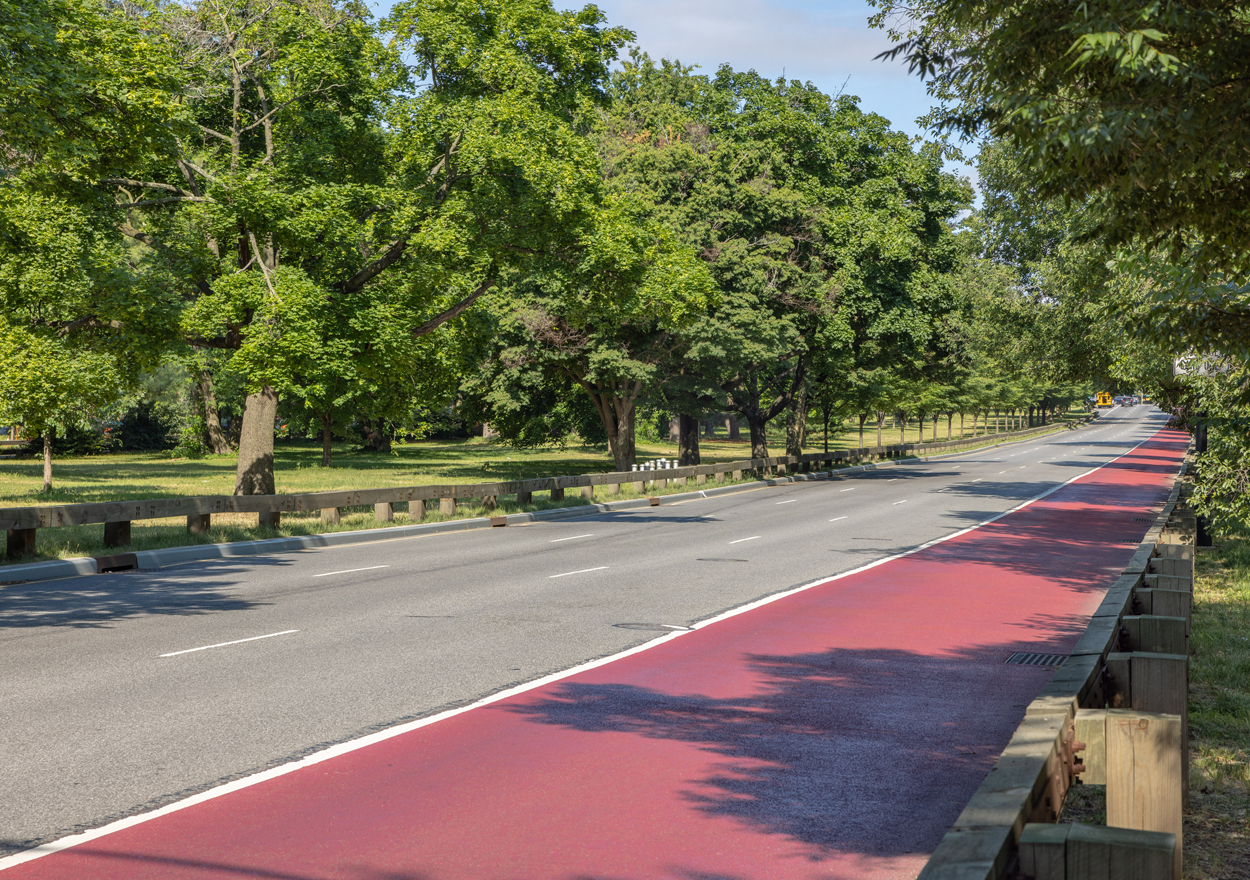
<point x="579" y="571"/>
<point x="570" y="538"/>
<point x="740" y="540"/>
<point x="285" y="632"/>
<point x="978" y="479"/>
<point x="904" y="501"/>
<point x="791" y="501"/>
<point x="848" y="489"/>
<point x="349" y="570"/>
<point x="1001" y="472"/>
<point x="1022" y="467"/>
<point x="836" y="518"/>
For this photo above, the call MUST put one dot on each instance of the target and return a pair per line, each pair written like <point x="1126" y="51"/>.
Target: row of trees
<point x="1114" y="137"/>
<point x="366" y="222"/>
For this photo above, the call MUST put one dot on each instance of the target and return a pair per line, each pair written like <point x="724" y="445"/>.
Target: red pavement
<point x="834" y="733"/>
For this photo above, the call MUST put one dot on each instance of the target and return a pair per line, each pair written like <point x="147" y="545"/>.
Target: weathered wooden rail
<point x="1114" y="714"/>
<point x="21" y="523"/>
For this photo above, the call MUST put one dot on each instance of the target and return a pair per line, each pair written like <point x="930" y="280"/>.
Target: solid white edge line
<point x="570" y="538"/>
<point x="399" y="730"/>
<point x="350" y="570"/>
<point x="285" y="632"/>
<point x="579" y="571"/>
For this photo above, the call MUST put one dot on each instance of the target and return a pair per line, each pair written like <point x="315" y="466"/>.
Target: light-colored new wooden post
<point x="384" y="511"/>
<point x="1157" y="634"/>
<point x="1144" y="775"/>
<point x="1102" y="853"/>
<point x="199" y="523"/>
<point x="447" y="506"/>
<point x="330" y="515"/>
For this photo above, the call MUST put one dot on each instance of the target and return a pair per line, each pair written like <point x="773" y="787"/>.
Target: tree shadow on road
<point x="101" y="600"/>
<point x="850" y="751"/>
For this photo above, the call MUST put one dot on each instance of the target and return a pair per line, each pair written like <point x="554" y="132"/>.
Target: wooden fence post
<point x="21" y="543"/>
<point x="269" y="519"/>
<point x="447" y="506"/>
<point x="384" y="511"/>
<point x="588" y="492"/>
<point x="416" y="510"/>
<point x="199" y="523"/>
<point x="525" y="498"/>
<point x="330" y="515"/>
<point x="1144" y="775"/>
<point x="117" y="534"/>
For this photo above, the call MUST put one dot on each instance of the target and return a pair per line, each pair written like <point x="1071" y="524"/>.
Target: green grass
<point x="1217" y="823"/>
<point x="125" y="476"/>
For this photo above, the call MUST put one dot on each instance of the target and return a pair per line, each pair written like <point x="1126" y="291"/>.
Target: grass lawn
<point x="1217" y="823"/>
<point x="124" y="476"/>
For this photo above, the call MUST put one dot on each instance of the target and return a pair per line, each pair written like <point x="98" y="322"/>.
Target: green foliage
<point x="1139" y="109"/>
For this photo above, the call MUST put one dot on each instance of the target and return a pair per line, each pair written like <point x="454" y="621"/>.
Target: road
<point x="126" y="691"/>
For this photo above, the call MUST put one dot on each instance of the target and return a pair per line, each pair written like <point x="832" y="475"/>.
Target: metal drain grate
<point x="1024" y="658"/>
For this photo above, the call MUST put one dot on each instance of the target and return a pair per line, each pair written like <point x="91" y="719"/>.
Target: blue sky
<point x="826" y="42"/>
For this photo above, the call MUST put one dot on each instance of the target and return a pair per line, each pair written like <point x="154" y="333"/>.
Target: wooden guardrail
<point x="1115" y="714"/>
<point x="21" y="523"/>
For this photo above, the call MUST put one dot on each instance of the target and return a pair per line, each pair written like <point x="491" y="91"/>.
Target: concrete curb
<point x="149" y="559"/>
<point x="51" y="570"/>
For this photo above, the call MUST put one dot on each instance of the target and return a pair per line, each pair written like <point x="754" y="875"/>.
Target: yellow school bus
<point x="1104" y="399"/>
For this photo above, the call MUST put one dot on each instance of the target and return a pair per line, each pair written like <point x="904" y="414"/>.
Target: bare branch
<point x="262" y="120"/>
<point x="148" y="184"/>
<point x="378" y="266"/>
<point x="146" y="203"/>
<point x="455" y="310"/>
<point x="207" y="130"/>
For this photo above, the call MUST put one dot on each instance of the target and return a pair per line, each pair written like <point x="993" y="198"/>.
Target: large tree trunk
<point x="901" y="416"/>
<point x="759" y="436"/>
<point x="255" y="473"/>
<point x="863" y="417"/>
<point x="880" y="424"/>
<point x="622" y="436"/>
<point x="796" y="422"/>
<point x="47" y="458"/>
<point x="376" y="437"/>
<point x="687" y="441"/>
<point x="212" y="416"/>
<point x="731" y="427"/>
<point x="674" y="429"/>
<point x="326" y="437"/>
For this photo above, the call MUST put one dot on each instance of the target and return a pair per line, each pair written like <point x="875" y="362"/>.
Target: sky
<point x="826" y="42"/>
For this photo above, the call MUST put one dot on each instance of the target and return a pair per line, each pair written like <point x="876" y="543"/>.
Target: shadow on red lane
<point x="868" y="752"/>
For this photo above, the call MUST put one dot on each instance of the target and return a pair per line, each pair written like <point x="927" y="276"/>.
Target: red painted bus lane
<point x="833" y="733"/>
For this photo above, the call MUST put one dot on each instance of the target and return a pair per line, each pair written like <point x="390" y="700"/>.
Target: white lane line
<point x="332" y="752"/>
<point x="349" y="570"/>
<point x="791" y="501"/>
<point x="852" y="488"/>
<point x="1022" y="467"/>
<point x="836" y="518"/>
<point x="1000" y="472"/>
<point x="904" y="501"/>
<point x="740" y="540"/>
<point x="570" y="538"/>
<point x="978" y="479"/>
<point x="579" y="571"/>
<point x="285" y="632"/>
<point x="892" y="479"/>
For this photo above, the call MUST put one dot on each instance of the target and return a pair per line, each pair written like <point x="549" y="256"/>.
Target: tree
<point x="305" y="175"/>
<point x="1136" y="108"/>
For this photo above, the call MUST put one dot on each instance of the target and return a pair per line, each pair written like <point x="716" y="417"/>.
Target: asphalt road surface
<point x="122" y="692"/>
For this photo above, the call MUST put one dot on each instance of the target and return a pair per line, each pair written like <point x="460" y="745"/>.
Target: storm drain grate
<point x="1025" y="658"/>
<point x="1143" y="519"/>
